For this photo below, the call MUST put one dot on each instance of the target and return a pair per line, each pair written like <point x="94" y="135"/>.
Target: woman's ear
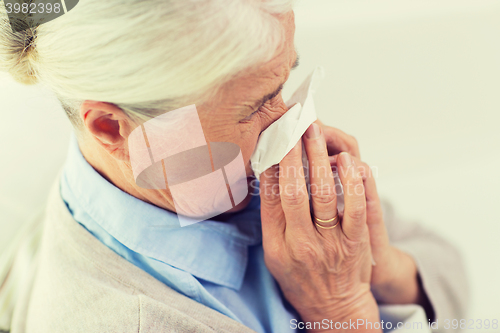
<point x="109" y="126"/>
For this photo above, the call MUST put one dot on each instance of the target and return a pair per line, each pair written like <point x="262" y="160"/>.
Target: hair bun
<point x="17" y="51"/>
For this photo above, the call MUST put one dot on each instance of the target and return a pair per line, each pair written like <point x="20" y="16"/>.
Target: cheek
<point x="249" y="132"/>
<point x="247" y="148"/>
<point x="245" y="135"/>
<point x="247" y="142"/>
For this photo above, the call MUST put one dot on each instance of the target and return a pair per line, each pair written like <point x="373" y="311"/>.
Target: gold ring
<point x="327" y="227"/>
<point x="326" y="221"/>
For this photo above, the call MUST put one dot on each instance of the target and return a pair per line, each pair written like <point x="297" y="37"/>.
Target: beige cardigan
<point x="81" y="285"/>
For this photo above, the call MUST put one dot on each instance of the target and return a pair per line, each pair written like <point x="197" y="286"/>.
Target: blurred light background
<point x="417" y="83"/>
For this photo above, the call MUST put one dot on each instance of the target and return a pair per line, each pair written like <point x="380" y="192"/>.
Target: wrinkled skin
<point x="324" y="273"/>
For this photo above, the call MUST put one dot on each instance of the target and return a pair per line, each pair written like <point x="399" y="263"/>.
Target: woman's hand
<point x="395" y="276"/>
<point x="337" y="141"/>
<point x="323" y="273"/>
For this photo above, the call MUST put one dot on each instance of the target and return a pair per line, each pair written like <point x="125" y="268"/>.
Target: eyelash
<point x="257" y="110"/>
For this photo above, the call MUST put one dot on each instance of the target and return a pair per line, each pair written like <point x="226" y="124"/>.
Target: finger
<point x="374" y="214"/>
<point x="293" y="192"/>
<point x="338" y="141"/>
<point x="354" y="218"/>
<point x="373" y="206"/>
<point x="322" y="187"/>
<point x="272" y="216"/>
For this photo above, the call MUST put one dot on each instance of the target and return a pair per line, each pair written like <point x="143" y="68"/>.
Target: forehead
<point x="261" y="80"/>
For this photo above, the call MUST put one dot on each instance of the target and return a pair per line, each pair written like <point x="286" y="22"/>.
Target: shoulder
<point x="83" y="286"/>
<point x="74" y="289"/>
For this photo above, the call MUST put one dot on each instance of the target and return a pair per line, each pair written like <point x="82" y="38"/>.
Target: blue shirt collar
<point x="211" y="250"/>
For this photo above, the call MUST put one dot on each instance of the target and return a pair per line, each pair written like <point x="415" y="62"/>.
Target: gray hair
<point x="146" y="57"/>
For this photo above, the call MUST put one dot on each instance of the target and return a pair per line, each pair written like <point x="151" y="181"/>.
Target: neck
<point x="119" y="173"/>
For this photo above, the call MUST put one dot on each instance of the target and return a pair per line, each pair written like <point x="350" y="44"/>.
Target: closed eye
<point x="247" y="118"/>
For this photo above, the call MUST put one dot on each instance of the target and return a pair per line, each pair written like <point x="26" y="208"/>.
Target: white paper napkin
<point x="282" y="135"/>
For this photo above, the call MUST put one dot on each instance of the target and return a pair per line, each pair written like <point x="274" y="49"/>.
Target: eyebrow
<point x="269" y="96"/>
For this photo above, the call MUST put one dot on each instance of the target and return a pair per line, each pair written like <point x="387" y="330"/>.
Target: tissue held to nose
<point x="282" y="135"/>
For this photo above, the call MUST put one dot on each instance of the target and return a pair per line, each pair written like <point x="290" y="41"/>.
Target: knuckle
<point x="305" y="253"/>
<point x="355" y="176"/>
<point x="326" y="199"/>
<point x="352" y="249"/>
<point x="315" y="157"/>
<point x="270" y="194"/>
<point x="356" y="211"/>
<point x="354" y="182"/>
<point x="324" y="195"/>
<point x="294" y="196"/>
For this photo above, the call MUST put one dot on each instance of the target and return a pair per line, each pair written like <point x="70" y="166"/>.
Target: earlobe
<point x="108" y="125"/>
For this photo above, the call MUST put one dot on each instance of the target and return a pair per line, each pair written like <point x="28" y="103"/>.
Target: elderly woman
<point x="113" y="257"/>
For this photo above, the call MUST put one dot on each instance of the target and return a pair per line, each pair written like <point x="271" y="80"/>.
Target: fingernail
<point x="346" y="159"/>
<point x="313" y="131"/>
